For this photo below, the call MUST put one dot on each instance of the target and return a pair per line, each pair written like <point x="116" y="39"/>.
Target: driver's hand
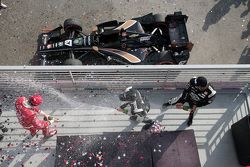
<point x="179" y="105"/>
<point x="46" y="117"/>
<point x="119" y="109"/>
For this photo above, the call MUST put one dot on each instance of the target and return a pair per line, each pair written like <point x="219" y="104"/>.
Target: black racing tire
<point x="93" y="59"/>
<point x="72" y="25"/>
<point x="178" y="13"/>
<point x="159" y="18"/>
<point x="166" y="58"/>
<point x="74" y="62"/>
<point x="161" y="58"/>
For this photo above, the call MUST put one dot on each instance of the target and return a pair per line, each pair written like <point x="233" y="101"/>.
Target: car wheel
<point x="159" y="18"/>
<point x="75" y="62"/>
<point x="93" y="59"/>
<point x="72" y="25"/>
<point x="161" y="58"/>
<point x="166" y="58"/>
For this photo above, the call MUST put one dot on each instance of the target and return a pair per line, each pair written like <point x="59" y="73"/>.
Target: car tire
<point x="74" y="62"/>
<point x="159" y="58"/>
<point x="72" y="25"/>
<point x="159" y="18"/>
<point x="93" y="59"/>
<point x="166" y="58"/>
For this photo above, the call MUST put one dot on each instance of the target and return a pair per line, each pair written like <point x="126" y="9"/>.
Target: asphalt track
<point x="219" y="29"/>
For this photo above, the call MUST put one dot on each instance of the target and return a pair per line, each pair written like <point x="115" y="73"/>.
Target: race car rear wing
<point x="177" y="30"/>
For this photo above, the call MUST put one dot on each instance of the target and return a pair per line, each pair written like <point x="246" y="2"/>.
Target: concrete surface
<point x="219" y="29"/>
<point x="92" y="112"/>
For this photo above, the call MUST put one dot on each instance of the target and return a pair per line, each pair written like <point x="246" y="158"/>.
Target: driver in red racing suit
<point x="27" y="110"/>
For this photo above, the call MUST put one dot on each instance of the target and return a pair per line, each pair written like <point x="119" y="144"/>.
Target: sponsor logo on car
<point x="68" y="42"/>
<point x="60" y="43"/>
<point x="145" y="38"/>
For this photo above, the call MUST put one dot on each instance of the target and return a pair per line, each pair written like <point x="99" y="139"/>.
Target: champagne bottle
<point x="49" y="118"/>
<point x="125" y="111"/>
<point x="186" y="107"/>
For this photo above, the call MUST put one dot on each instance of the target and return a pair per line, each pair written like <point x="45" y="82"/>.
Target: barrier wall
<point x="115" y="77"/>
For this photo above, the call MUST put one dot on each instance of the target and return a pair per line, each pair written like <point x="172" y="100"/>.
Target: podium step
<point x="129" y="149"/>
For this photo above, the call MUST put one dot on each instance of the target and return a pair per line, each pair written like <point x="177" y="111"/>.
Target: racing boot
<point x="148" y="125"/>
<point x="51" y="133"/>
<point x="190" y="119"/>
<point x="147" y="120"/>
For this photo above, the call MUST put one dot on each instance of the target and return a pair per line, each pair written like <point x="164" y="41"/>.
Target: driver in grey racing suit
<point x="136" y="105"/>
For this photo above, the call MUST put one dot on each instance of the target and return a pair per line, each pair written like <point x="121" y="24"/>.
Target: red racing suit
<point x="27" y="116"/>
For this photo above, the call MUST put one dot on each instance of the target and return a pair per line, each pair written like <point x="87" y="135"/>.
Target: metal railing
<point x="113" y="77"/>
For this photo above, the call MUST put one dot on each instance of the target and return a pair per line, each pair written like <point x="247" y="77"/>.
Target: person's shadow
<point x="243" y="14"/>
<point x="221" y="9"/>
<point x="245" y="56"/>
<point x="246" y="33"/>
<point x="159" y="118"/>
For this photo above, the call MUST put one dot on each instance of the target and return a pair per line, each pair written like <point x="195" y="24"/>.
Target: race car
<point x="152" y="39"/>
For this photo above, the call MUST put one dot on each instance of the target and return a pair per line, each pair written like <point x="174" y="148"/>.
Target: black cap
<point x="201" y="81"/>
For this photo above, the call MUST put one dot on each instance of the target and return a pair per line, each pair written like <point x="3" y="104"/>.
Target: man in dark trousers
<point x="136" y="105"/>
<point x="197" y="93"/>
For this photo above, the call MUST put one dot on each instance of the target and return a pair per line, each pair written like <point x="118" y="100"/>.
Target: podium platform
<point x="129" y="149"/>
<point x="85" y="113"/>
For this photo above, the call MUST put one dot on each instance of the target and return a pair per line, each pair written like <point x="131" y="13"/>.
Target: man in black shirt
<point x="136" y="105"/>
<point x="197" y="93"/>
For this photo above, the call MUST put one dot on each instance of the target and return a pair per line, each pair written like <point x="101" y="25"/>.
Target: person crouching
<point x="136" y="105"/>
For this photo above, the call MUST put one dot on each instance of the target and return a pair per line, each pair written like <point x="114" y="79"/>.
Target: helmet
<point x="128" y="95"/>
<point x="201" y="81"/>
<point x="36" y="100"/>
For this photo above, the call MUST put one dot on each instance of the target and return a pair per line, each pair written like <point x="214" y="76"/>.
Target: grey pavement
<point x="93" y="112"/>
<point x="219" y="29"/>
